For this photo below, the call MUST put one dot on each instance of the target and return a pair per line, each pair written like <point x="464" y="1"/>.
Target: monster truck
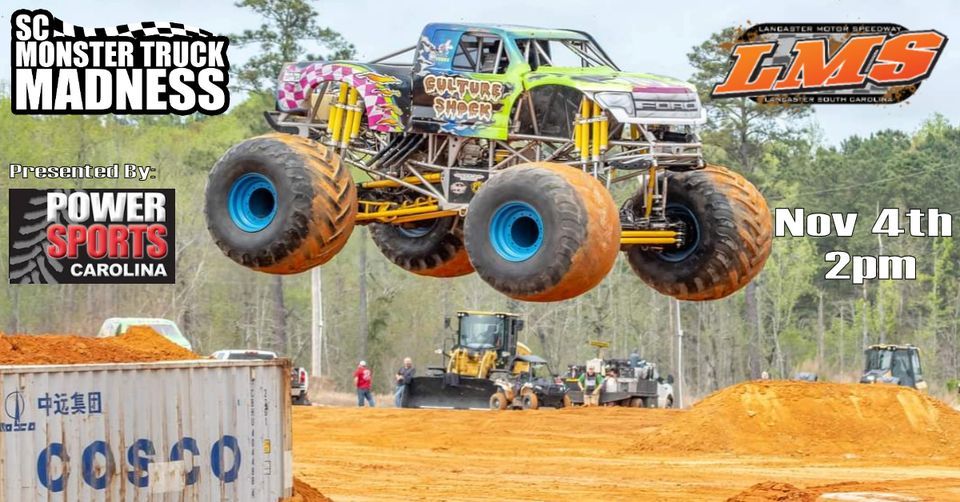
<point x="499" y="150"/>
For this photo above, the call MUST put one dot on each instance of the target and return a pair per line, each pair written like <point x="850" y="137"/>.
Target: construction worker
<point x="404" y="376"/>
<point x="363" y="378"/>
<point x="590" y="383"/>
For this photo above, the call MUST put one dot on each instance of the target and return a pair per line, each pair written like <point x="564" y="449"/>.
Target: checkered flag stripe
<point x="135" y="30"/>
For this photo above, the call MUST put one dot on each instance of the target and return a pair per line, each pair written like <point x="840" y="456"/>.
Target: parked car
<point x="298" y="375"/>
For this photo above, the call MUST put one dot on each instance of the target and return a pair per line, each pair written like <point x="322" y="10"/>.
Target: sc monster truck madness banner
<point x="145" y="68"/>
<point x="93" y="236"/>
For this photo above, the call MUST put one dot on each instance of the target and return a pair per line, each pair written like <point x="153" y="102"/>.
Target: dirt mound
<point x="303" y="492"/>
<point x="800" y="418"/>
<point x="138" y="344"/>
<point x="771" y="490"/>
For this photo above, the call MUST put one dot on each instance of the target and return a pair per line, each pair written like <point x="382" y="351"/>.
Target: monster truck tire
<point x="542" y="232"/>
<point x="728" y="241"/>
<point x="432" y="248"/>
<point x="280" y="203"/>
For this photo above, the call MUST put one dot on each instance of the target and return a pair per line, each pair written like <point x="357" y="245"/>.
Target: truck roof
<point x="889" y="346"/>
<point x="509" y="30"/>
<point x="246" y="351"/>
<point x="139" y="320"/>
<point x="481" y="312"/>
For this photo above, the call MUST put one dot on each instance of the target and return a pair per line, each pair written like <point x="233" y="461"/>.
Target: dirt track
<point x="576" y="454"/>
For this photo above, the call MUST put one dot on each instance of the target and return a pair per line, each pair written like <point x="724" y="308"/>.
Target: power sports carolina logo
<point x="830" y="63"/>
<point x="116" y="236"/>
<point x="144" y="68"/>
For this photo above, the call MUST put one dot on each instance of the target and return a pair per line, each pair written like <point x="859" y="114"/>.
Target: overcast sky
<point x="639" y="35"/>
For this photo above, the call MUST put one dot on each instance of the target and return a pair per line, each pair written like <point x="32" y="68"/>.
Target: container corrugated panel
<point x="188" y="430"/>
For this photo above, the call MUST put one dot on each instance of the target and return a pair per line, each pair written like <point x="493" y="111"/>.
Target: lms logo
<point x="830" y="63"/>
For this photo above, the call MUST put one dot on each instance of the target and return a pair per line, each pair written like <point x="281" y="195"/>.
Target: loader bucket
<point x="450" y="392"/>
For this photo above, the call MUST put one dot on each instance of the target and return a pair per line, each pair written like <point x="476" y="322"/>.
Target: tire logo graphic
<point x="29" y="262"/>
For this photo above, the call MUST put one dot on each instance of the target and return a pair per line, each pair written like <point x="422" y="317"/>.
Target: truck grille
<point x="656" y="105"/>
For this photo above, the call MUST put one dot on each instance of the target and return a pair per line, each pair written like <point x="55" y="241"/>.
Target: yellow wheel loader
<point x="485" y="343"/>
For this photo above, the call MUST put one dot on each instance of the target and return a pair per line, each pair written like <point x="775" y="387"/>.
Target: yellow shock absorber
<point x="634" y="132"/>
<point x="357" y="119"/>
<point x="576" y="125"/>
<point x="596" y="131"/>
<point x="337" y="114"/>
<point x="604" y="132"/>
<point x="351" y="117"/>
<point x="651" y="189"/>
<point x="585" y="130"/>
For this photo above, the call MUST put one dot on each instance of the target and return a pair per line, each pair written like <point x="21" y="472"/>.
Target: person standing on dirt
<point x="590" y="383"/>
<point x="404" y="376"/>
<point x="362" y="378"/>
<point x="610" y="384"/>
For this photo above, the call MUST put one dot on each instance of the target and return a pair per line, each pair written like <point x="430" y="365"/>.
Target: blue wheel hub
<point x="252" y="202"/>
<point x="516" y="231"/>
<point x="677" y="212"/>
<point x="417" y="230"/>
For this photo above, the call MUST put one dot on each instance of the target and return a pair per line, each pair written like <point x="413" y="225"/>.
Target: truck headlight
<point x="621" y="100"/>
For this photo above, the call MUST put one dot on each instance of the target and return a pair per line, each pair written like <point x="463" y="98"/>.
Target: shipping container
<point x="187" y="430"/>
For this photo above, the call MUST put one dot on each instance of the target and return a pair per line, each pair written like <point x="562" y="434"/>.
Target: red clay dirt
<point x="771" y="490"/>
<point x="302" y="492"/>
<point x="138" y="344"/>
<point x="787" y="441"/>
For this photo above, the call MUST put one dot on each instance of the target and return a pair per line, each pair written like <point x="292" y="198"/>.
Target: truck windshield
<point x="562" y="53"/>
<point x="541" y="371"/>
<point x="879" y="359"/>
<point x="480" y="332"/>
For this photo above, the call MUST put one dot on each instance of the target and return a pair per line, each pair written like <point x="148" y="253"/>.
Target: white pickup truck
<point x="298" y="376"/>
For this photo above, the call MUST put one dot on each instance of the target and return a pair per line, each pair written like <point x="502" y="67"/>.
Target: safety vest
<point x="589" y="382"/>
